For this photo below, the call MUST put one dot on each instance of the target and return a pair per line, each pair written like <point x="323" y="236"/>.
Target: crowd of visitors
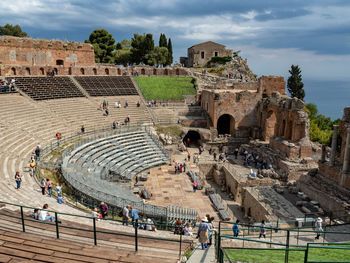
<point x="6" y="86"/>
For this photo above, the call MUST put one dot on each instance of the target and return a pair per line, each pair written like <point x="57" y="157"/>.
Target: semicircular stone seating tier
<point x="90" y="167"/>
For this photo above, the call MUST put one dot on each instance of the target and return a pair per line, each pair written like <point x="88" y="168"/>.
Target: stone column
<point x="323" y="156"/>
<point x="347" y="152"/>
<point x="334" y="144"/>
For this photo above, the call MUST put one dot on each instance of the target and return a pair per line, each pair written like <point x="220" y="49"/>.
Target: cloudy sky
<point x="272" y="34"/>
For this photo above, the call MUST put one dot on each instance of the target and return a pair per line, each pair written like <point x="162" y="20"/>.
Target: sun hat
<point x="204" y="219"/>
<point x="319" y="219"/>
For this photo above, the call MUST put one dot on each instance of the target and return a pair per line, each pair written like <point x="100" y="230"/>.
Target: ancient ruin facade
<point x="200" y="54"/>
<point x="41" y="52"/>
<point x="337" y="168"/>
<point x="35" y="57"/>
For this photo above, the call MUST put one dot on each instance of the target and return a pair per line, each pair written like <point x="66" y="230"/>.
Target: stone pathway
<point x="168" y="188"/>
<point x="202" y="256"/>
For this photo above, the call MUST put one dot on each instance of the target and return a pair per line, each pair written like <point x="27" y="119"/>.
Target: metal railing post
<point x="56" y="222"/>
<point x="22" y="218"/>
<point x="287" y="248"/>
<point x="306" y="253"/>
<point x="95" y="236"/>
<point x="219" y="240"/>
<point x="136" y="236"/>
<point x="180" y="246"/>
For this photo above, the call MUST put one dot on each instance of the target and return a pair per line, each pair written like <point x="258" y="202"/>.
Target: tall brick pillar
<point x="334" y="144"/>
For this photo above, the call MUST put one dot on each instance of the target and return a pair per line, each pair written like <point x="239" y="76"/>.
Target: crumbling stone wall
<point x="285" y="124"/>
<point x="270" y="84"/>
<point x="32" y="52"/>
<point x="240" y="105"/>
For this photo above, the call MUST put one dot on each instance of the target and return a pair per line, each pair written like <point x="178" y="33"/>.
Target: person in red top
<point x="188" y="142"/>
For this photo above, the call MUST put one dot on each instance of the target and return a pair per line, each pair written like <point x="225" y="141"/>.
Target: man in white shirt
<point x="44" y="215"/>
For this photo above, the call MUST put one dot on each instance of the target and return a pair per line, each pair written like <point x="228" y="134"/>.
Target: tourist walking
<point x="184" y="166"/>
<point x="262" y="229"/>
<point x="18" y="179"/>
<point x="82" y="129"/>
<point x="134" y="216"/>
<point x="43" y="186"/>
<point x="202" y="234"/>
<point x="49" y="186"/>
<point x="103" y="209"/>
<point x="318" y="227"/>
<point x="126" y="215"/>
<point x="235" y="228"/>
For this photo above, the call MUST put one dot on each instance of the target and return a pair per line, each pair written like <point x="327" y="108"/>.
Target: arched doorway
<point x="177" y="72"/>
<point x="70" y="71"/>
<point x="42" y="71"/>
<point x="119" y="71"/>
<point x="82" y="71"/>
<point x="143" y="72"/>
<point x="27" y="72"/>
<point x="107" y="71"/>
<point x="56" y="71"/>
<point x="154" y="71"/>
<point x="195" y="139"/>
<point x="13" y="71"/>
<point x="226" y="125"/>
<point x="166" y="72"/>
<point x="270" y="125"/>
<point x="94" y="71"/>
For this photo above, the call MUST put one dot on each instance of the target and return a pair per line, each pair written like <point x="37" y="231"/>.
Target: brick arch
<point x="107" y="71"/>
<point x="42" y="71"/>
<point x="13" y="71"/>
<point x="226" y="124"/>
<point x="94" y="71"/>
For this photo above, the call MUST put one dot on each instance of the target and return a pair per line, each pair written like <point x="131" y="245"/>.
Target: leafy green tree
<point x="104" y="45"/>
<point x="122" y="55"/>
<point x="312" y="111"/>
<point x="158" y="56"/>
<point x="170" y="53"/>
<point x="294" y="84"/>
<point x="140" y="46"/>
<point x="162" y="41"/>
<point x="10" y="30"/>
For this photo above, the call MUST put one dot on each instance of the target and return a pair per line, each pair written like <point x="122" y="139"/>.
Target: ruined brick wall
<point x="210" y="49"/>
<point x="241" y="106"/>
<point x="269" y="84"/>
<point x="285" y="118"/>
<point x="96" y="69"/>
<point x="40" y="52"/>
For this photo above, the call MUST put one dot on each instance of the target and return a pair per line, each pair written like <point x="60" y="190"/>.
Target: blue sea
<point x="330" y="97"/>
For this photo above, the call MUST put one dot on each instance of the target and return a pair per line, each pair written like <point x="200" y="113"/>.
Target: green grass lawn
<point x="165" y="88"/>
<point x="277" y="256"/>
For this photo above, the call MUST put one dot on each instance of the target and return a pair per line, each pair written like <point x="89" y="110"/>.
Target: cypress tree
<point x="294" y="84"/>
<point x="170" y="52"/>
<point x="162" y="40"/>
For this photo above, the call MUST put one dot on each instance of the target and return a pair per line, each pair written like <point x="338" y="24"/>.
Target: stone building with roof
<point x="200" y="54"/>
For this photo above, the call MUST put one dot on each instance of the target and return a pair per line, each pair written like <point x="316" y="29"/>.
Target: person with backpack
<point x="235" y="228"/>
<point x="103" y="209"/>
<point x="262" y="229"/>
